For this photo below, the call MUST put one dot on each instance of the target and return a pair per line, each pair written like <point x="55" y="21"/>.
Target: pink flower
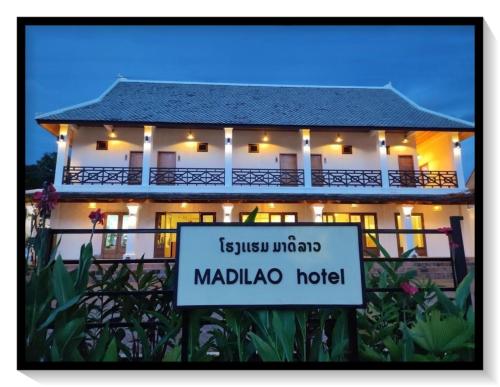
<point x="46" y="200"/>
<point x="97" y="217"/>
<point x="408" y="288"/>
<point x="445" y="230"/>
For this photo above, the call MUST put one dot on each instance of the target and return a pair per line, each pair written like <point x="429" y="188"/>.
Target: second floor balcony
<point x="169" y="159"/>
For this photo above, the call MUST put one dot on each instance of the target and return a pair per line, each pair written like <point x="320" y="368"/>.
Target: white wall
<point x="75" y="215"/>
<point x="175" y="140"/>
<point x="365" y="153"/>
<point x="84" y="153"/>
<point x="269" y="152"/>
<point x="397" y="148"/>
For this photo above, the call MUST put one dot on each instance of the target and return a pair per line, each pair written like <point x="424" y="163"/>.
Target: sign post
<point x="223" y="265"/>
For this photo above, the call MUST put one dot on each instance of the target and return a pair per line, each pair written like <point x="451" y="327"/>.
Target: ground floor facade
<point x="166" y="215"/>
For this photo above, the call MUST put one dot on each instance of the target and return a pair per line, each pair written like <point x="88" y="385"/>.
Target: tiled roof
<point x="260" y="105"/>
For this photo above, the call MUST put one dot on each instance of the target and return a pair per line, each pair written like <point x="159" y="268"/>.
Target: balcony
<point x="186" y="176"/>
<point x="346" y="178"/>
<point x="268" y="177"/>
<point x="102" y="175"/>
<point x="423" y="179"/>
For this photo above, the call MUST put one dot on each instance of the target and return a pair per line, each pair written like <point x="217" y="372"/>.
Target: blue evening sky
<point x="434" y="66"/>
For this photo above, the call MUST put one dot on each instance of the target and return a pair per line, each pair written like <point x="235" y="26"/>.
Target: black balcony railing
<point x="346" y="178"/>
<point x="425" y="179"/>
<point x="102" y="175"/>
<point x="186" y="176"/>
<point x="268" y="177"/>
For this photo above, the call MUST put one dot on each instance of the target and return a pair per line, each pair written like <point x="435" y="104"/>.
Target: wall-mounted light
<point x="228" y="141"/>
<point x="62" y="138"/>
<point x="437" y="208"/>
<point x="382" y="143"/>
<point x="271" y="205"/>
<point x="407" y="210"/>
<point x="265" y="138"/>
<point x="184" y="205"/>
<point x="405" y="139"/>
<point x="306" y="142"/>
<point x="457" y="144"/>
<point x="92" y="205"/>
<point x="190" y="136"/>
<point x="338" y="139"/>
<point x="354" y="205"/>
<point x="112" y="133"/>
<point x="147" y="139"/>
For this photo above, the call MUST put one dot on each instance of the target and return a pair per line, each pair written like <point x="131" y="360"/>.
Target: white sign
<point x="242" y="265"/>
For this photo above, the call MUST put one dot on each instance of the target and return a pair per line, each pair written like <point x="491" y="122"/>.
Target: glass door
<point x="114" y="244"/>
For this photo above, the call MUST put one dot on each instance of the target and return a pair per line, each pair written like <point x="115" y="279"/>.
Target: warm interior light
<point x="190" y="136"/>
<point x="265" y="138"/>
<point x="184" y="205"/>
<point x="112" y="133"/>
<point x="339" y="139"/>
<point x="405" y="139"/>
<point x="92" y="205"/>
<point x="437" y="208"/>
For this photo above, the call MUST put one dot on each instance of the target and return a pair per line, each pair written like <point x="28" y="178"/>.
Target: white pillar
<point x="147" y="154"/>
<point x="130" y="253"/>
<point x="306" y="156"/>
<point x="228" y="157"/>
<point x="384" y="169"/>
<point x="62" y="154"/>
<point x="318" y="212"/>
<point x="407" y="225"/>
<point x="228" y="209"/>
<point x="457" y="160"/>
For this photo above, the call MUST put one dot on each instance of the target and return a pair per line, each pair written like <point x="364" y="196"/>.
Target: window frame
<point x="373" y="250"/>
<point x="282" y="215"/>
<point x="421" y="251"/>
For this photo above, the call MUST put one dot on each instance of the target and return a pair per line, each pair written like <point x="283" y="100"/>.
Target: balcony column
<point x="228" y="209"/>
<point x="228" y="157"/>
<point x="306" y="155"/>
<point x="147" y="151"/>
<point x="130" y="253"/>
<point x="457" y="160"/>
<point x="407" y="225"/>
<point x="382" y="148"/>
<point x="318" y="212"/>
<point x="62" y="154"/>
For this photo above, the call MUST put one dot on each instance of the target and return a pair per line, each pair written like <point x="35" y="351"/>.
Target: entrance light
<point x="339" y="139"/>
<point x="190" y="136"/>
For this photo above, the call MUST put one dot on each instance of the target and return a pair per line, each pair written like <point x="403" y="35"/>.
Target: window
<point x="347" y="149"/>
<point x="101" y="145"/>
<point x="271" y="217"/>
<point x="253" y="148"/>
<point x="417" y="223"/>
<point x="166" y="243"/>
<point x="202" y="147"/>
<point x="368" y="222"/>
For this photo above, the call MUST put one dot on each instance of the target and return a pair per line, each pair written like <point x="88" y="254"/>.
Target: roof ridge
<point x="127" y="80"/>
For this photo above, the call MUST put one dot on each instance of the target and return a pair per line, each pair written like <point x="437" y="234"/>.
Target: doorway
<point x="407" y="170"/>
<point x="166" y="160"/>
<point x="135" y="161"/>
<point x="317" y="168"/>
<point x="113" y="244"/>
<point x="166" y="243"/>
<point x="288" y="167"/>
